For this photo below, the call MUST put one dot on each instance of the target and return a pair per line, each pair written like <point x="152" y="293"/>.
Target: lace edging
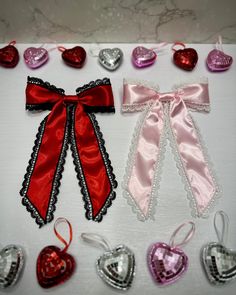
<point x="39" y="107"/>
<point x="40" y="82"/>
<point x="98" y="82"/>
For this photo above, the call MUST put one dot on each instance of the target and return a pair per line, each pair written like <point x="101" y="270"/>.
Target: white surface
<point x="18" y="130"/>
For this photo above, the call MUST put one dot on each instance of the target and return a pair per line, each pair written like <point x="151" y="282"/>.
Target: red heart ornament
<point x="54" y="266"/>
<point x="9" y="56"/>
<point x="186" y="58"/>
<point x="74" y="57"/>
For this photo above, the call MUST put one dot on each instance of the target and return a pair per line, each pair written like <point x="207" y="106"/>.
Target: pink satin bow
<point x="165" y="115"/>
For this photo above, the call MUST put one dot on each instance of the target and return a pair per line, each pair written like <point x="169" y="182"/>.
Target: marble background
<point x="139" y="21"/>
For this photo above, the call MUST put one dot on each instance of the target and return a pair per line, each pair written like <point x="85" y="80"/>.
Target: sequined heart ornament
<point x="167" y="263"/>
<point x="9" y="55"/>
<point x="186" y="58"/>
<point x="11" y="265"/>
<point x="73" y="57"/>
<point x="35" y="57"/>
<point x="110" y="59"/>
<point x="116" y="266"/>
<point x="54" y="265"/>
<point x="143" y="57"/>
<point x="219" y="262"/>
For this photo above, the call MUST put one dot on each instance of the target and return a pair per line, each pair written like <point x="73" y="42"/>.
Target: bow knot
<point x="166" y="97"/>
<point x="70" y="99"/>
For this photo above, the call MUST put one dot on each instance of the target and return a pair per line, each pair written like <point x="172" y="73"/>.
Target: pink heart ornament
<point x="218" y="61"/>
<point x="143" y="57"/>
<point x="35" y="57"/>
<point x="166" y="264"/>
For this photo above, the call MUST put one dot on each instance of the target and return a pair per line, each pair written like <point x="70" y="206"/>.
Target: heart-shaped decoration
<point x="116" y="267"/>
<point x="110" y="58"/>
<point x="186" y="58"/>
<point x="166" y="264"/>
<point x="11" y="264"/>
<point x="218" y="61"/>
<point x="54" y="266"/>
<point x="35" y="57"/>
<point x="143" y="57"/>
<point x="219" y="263"/>
<point x="9" y="56"/>
<point x="74" y="57"/>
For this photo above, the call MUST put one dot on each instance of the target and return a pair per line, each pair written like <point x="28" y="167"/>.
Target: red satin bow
<point x="71" y="121"/>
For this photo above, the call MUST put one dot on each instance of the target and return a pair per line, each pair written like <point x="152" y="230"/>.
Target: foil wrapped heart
<point x="74" y="57"/>
<point x="117" y="267"/>
<point x="35" y="57"/>
<point x="166" y="264"/>
<point x="11" y="265"/>
<point x="186" y="58"/>
<point x="219" y="263"/>
<point x="218" y="61"/>
<point x="54" y="266"/>
<point x="110" y="59"/>
<point x="9" y="56"/>
<point x="143" y="57"/>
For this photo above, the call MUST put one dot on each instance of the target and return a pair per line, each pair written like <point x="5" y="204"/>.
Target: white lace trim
<point x="198" y="107"/>
<point x="137" y="107"/>
<point x="145" y="83"/>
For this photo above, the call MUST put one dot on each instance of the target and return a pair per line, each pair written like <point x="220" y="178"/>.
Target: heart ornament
<point x="167" y="263"/>
<point x="35" y="57"/>
<point x="110" y="59"/>
<point x="11" y="265"/>
<point x="73" y="57"/>
<point x="116" y="267"/>
<point x="219" y="262"/>
<point x="9" y="55"/>
<point x="186" y="58"/>
<point x="54" y="265"/>
<point x="143" y="57"/>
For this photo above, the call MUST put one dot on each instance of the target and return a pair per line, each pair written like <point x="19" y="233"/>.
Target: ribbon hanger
<point x="222" y="234"/>
<point x="96" y="239"/>
<point x="57" y="222"/>
<point x="188" y="236"/>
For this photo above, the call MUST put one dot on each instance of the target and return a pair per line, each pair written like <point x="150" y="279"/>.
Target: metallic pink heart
<point x="143" y="57"/>
<point x="166" y="264"/>
<point x="218" y="61"/>
<point x="35" y="57"/>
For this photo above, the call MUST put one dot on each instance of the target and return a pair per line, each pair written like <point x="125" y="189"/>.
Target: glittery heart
<point x="218" y="61"/>
<point x="11" y="265"/>
<point x="35" y="57"/>
<point x="116" y="267"/>
<point x="110" y="58"/>
<point x="74" y="57"/>
<point x="143" y="57"/>
<point x="54" y="267"/>
<point x="166" y="264"/>
<point x="219" y="263"/>
<point x="9" y="56"/>
<point x="185" y="59"/>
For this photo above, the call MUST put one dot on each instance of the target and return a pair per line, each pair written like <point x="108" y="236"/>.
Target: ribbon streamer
<point x="166" y="115"/>
<point x="71" y="121"/>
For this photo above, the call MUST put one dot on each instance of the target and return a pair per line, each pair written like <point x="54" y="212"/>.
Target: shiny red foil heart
<point x="54" y="267"/>
<point x="186" y="58"/>
<point x="9" y="56"/>
<point x="74" y="57"/>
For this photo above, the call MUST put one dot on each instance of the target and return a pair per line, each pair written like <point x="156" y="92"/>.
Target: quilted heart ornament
<point x="110" y="59"/>
<point x="116" y="266"/>
<point x="54" y="265"/>
<point x="9" y="55"/>
<point x="73" y="57"/>
<point x="143" y="57"/>
<point x="12" y="261"/>
<point x="35" y="57"/>
<point x="219" y="262"/>
<point x="167" y="263"/>
<point x="185" y="58"/>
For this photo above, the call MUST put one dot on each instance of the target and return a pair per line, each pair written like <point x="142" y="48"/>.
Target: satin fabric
<point x="68" y="122"/>
<point x="168" y="110"/>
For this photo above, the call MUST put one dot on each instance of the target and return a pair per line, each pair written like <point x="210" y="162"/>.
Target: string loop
<point x="222" y="234"/>
<point x="187" y="237"/>
<point x="61" y="48"/>
<point x="63" y="220"/>
<point x="219" y="45"/>
<point x="178" y="44"/>
<point x="96" y="239"/>
<point x="13" y="42"/>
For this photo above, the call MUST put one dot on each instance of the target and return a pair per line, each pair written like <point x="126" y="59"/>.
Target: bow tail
<point x="42" y="179"/>
<point x="198" y="177"/>
<point x="92" y="164"/>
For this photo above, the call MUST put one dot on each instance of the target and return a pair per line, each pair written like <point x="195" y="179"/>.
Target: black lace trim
<point x="97" y="109"/>
<point x="39" y="107"/>
<point x="80" y="175"/>
<point x="40" y="82"/>
<point x="98" y="82"/>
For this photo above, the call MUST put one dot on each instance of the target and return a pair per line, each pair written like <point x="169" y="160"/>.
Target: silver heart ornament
<point x="117" y="267"/>
<point x="219" y="263"/>
<point x="11" y="264"/>
<point x="110" y="59"/>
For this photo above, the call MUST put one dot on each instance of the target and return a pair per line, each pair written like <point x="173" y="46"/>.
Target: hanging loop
<point x="187" y="237"/>
<point x="222" y="234"/>
<point x="13" y="42"/>
<point x="178" y="44"/>
<point x="63" y="220"/>
<point x="96" y="240"/>
<point x="61" y="48"/>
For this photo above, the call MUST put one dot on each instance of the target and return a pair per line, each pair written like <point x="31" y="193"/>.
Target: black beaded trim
<point x="80" y="175"/>
<point x="40" y="82"/>
<point x="98" y="82"/>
